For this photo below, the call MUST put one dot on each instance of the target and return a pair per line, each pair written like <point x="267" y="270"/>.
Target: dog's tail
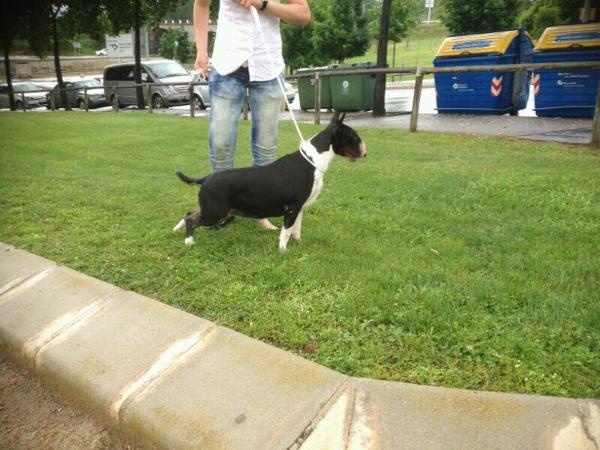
<point x="189" y="180"/>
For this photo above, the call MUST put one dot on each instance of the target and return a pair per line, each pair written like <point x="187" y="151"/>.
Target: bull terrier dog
<point x="283" y="188"/>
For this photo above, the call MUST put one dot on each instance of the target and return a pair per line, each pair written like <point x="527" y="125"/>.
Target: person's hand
<point x="202" y="63"/>
<point x="248" y="3"/>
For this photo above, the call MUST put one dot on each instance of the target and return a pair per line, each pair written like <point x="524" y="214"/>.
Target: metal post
<point x="317" y="99"/>
<point x="245" y="106"/>
<point x="86" y="100"/>
<point x="192" y="101"/>
<point x="52" y="104"/>
<point x="23" y="105"/>
<point x="596" y="124"/>
<point x="149" y="95"/>
<point x="115" y="102"/>
<point x="414" y="115"/>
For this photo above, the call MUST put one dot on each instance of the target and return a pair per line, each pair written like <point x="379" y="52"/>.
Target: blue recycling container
<point x="561" y="93"/>
<point x="483" y="92"/>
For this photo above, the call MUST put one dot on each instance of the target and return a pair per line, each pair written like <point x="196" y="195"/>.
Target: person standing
<point x="239" y="62"/>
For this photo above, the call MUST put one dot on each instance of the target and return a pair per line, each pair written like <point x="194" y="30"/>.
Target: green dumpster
<point x="352" y="92"/>
<point x="306" y="89"/>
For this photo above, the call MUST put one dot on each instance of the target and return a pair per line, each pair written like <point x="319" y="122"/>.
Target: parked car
<point x="290" y="92"/>
<point x="102" y="52"/>
<point x="32" y="99"/>
<point x="76" y="94"/>
<point x="160" y="72"/>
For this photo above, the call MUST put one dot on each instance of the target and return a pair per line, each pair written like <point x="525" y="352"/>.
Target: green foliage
<point x="174" y="44"/>
<point x="441" y="259"/>
<point x="298" y="47"/>
<point x="121" y="13"/>
<point x="474" y="16"/>
<point x="541" y="14"/>
<point x="404" y="16"/>
<point x="344" y="31"/>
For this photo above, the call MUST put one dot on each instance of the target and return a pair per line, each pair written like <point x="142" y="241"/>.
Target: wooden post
<point x="317" y="99"/>
<point x="23" y="104"/>
<point x="149" y="97"/>
<point x="52" y="104"/>
<point x="414" y="115"/>
<point x="596" y="124"/>
<point x="115" y="100"/>
<point x="245" y="106"/>
<point x="192" y="102"/>
<point x="86" y="100"/>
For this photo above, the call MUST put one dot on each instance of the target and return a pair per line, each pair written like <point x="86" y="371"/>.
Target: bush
<point x="174" y="44"/>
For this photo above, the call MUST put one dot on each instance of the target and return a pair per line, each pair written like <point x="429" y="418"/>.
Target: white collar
<point x="319" y="161"/>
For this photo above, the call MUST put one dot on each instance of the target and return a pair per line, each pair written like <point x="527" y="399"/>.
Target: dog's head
<point x="344" y="140"/>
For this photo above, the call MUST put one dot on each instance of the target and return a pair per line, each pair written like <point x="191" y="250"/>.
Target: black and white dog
<point x="283" y="188"/>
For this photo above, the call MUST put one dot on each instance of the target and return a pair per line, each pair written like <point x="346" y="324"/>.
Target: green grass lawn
<point x="439" y="259"/>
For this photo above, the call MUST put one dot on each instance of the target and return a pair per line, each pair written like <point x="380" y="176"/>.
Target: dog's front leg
<point x="289" y="219"/>
<point x="297" y="227"/>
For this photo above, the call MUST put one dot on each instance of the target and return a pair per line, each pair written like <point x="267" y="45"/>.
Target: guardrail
<point x="115" y="94"/>
<point x="420" y="72"/>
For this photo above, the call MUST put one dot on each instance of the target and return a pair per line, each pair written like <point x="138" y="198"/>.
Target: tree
<point x="174" y="44"/>
<point x="541" y="14"/>
<point x="344" y="31"/>
<point x="384" y="24"/>
<point x="11" y="22"/>
<point x="125" y="15"/>
<point x="474" y="16"/>
<point x="45" y="21"/>
<point x="298" y="48"/>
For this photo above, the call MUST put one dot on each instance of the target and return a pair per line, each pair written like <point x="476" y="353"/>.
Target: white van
<point x="160" y="72"/>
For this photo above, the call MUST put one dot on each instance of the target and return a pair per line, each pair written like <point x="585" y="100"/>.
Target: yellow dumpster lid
<point x="476" y="44"/>
<point x="570" y="36"/>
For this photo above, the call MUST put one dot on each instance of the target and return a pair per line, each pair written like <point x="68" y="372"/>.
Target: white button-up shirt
<point x="238" y="42"/>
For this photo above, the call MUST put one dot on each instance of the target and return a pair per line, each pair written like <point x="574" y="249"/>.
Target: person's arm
<point x="295" y="12"/>
<point x="201" y="13"/>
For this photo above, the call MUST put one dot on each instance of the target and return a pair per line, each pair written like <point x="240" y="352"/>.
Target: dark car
<point x="76" y="94"/>
<point x="32" y="99"/>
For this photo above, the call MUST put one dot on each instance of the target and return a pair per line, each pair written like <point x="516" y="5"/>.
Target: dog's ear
<point x="336" y="119"/>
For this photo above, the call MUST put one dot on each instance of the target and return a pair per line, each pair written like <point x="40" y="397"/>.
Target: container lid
<point x="570" y="36"/>
<point x="477" y="44"/>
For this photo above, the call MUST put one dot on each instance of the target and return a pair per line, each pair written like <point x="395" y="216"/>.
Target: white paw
<point x="283" y="248"/>
<point x="296" y="236"/>
<point x="179" y="226"/>
<point x="189" y="241"/>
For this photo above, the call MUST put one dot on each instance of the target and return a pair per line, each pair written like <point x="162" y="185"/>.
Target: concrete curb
<point x="170" y="379"/>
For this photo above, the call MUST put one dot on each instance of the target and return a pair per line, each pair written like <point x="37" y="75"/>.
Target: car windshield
<point x="167" y="69"/>
<point x="24" y="87"/>
<point x="88" y="84"/>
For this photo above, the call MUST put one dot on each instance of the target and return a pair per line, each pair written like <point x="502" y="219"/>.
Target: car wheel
<point x="198" y="103"/>
<point x="81" y="103"/>
<point x="158" y="102"/>
<point x="112" y="102"/>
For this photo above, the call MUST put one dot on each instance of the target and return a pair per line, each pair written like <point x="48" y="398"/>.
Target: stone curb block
<point x="174" y="380"/>
<point x="252" y="396"/>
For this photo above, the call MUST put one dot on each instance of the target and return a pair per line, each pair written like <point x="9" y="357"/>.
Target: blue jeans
<point x="226" y="98"/>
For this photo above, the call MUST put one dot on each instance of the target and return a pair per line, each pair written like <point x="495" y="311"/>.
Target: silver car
<point x="32" y="99"/>
<point x="160" y="72"/>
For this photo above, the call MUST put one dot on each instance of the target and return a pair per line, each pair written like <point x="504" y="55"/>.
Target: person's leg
<point x="226" y="97"/>
<point x="265" y="103"/>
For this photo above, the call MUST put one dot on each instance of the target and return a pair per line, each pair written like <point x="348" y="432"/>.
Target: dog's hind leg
<point x="192" y="220"/>
<point x="181" y="224"/>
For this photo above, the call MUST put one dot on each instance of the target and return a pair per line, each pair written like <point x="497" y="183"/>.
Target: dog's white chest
<point x="316" y="189"/>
